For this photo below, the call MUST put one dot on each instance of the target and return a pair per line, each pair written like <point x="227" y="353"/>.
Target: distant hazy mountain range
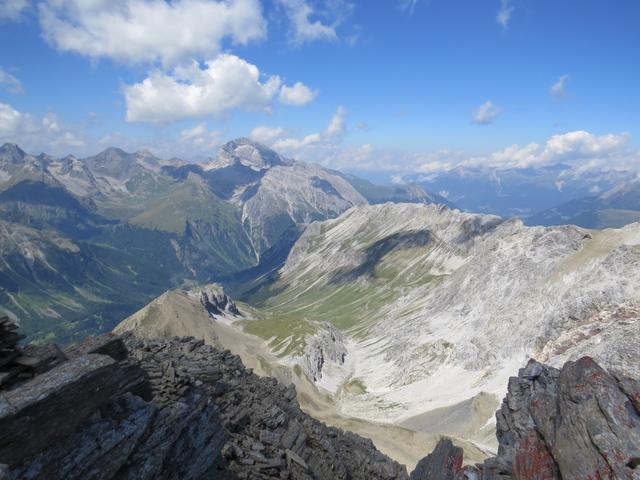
<point x="617" y="207"/>
<point x="85" y="242"/>
<point x="549" y="195"/>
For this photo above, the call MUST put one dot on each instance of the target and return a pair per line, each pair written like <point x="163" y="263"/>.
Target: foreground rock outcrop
<point x="128" y="408"/>
<point x="577" y="423"/>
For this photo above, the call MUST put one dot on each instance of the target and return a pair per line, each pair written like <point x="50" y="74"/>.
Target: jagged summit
<point x="11" y="154"/>
<point x="246" y="152"/>
<point x="11" y="148"/>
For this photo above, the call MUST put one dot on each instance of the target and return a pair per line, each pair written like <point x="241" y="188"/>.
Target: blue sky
<point x="384" y="85"/>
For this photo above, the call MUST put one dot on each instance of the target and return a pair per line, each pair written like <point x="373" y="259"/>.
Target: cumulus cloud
<point x="297" y="95"/>
<point x="10" y="83"/>
<point x="12" y="9"/>
<point x="486" y="113"/>
<point x="226" y="83"/>
<point x="579" y="149"/>
<point x="505" y="12"/>
<point x="201" y="137"/>
<point x="558" y="89"/>
<point x="45" y="133"/>
<point x="149" y="30"/>
<point x="313" y="146"/>
<point x="309" y="24"/>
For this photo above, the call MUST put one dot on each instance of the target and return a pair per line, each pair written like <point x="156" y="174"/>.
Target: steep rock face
<point x="294" y="194"/>
<point x="216" y="301"/>
<point x="444" y="463"/>
<point x="175" y="409"/>
<point x="276" y="193"/>
<point x="580" y="422"/>
<point x="327" y="346"/>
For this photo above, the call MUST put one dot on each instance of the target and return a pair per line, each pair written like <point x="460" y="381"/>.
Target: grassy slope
<point x="291" y="308"/>
<point x="191" y="200"/>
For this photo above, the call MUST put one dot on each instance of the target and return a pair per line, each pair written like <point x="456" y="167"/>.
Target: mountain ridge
<point x="212" y="221"/>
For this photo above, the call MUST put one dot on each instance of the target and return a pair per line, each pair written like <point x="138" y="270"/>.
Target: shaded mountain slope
<point x="65" y="289"/>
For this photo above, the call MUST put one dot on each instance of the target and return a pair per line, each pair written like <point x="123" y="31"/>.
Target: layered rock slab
<point x="174" y="409"/>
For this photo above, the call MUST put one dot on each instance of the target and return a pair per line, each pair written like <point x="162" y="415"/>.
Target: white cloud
<point x="267" y="135"/>
<point x="558" y="89"/>
<point x="312" y="147"/>
<point x="516" y="157"/>
<point x="36" y="133"/>
<point x="578" y="149"/>
<point x="200" y="136"/>
<point x="10" y="83"/>
<point x="486" y="113"/>
<point x="581" y="144"/>
<point x="297" y="95"/>
<point x="505" y="12"/>
<point x="292" y="144"/>
<point x="338" y="125"/>
<point x="307" y="23"/>
<point x="12" y="9"/>
<point x="226" y="83"/>
<point x="137" y="31"/>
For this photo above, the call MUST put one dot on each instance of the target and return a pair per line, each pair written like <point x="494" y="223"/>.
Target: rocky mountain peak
<point x="251" y="154"/>
<point x="11" y="153"/>
<point x="112" y="162"/>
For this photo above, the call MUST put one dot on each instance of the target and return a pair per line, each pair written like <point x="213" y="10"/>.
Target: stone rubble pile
<point x="125" y="408"/>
